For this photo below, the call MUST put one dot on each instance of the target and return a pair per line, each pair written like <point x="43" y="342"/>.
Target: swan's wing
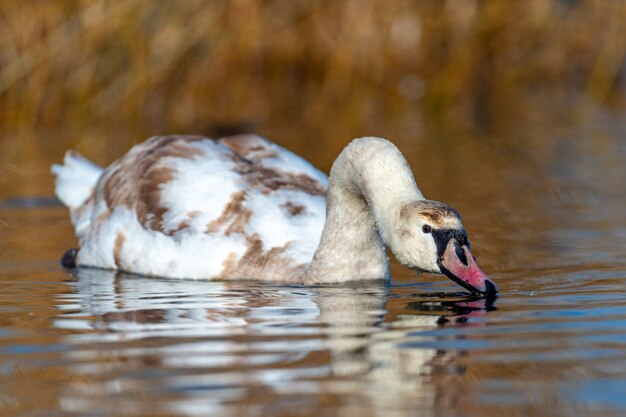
<point x="285" y="197"/>
<point x="202" y="207"/>
<point x="264" y="153"/>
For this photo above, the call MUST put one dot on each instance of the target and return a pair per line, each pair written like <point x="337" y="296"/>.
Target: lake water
<point x="547" y="222"/>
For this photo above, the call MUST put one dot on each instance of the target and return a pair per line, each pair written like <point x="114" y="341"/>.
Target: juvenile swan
<point x="242" y="207"/>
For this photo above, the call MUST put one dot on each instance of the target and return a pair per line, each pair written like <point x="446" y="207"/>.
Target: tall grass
<point x="98" y="75"/>
<point x="201" y="65"/>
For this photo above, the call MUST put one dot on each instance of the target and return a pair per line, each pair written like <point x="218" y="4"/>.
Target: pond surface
<point x="546" y="220"/>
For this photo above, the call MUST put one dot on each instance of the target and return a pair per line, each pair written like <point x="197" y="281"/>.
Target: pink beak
<point x="460" y="266"/>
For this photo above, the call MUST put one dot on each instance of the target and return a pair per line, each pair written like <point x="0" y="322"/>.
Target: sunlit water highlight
<point x="96" y="343"/>
<point x="99" y="343"/>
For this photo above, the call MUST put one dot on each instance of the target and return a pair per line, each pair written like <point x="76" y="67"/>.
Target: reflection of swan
<point x="380" y="347"/>
<point x="201" y="346"/>
<point x="243" y="207"/>
<point x="135" y="308"/>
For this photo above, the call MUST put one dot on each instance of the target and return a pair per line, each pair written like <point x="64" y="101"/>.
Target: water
<point x="546" y="220"/>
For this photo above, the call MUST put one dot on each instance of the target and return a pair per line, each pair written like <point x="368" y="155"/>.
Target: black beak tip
<point x="490" y="288"/>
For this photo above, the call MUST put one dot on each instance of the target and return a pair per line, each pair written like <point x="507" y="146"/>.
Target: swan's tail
<point x="75" y="179"/>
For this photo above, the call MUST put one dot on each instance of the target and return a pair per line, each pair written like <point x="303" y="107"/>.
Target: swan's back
<point x="187" y="206"/>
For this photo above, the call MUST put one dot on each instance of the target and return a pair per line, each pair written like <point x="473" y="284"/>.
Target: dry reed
<point x="201" y="65"/>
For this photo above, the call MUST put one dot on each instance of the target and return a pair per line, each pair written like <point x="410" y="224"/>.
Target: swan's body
<point x="244" y="208"/>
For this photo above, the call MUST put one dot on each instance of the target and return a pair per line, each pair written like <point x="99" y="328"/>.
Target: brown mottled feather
<point x="234" y="217"/>
<point x="136" y="181"/>
<point x="250" y="147"/>
<point x="294" y="209"/>
<point x="436" y="212"/>
<point x="117" y="250"/>
<point x="272" y="262"/>
<point x="252" y="150"/>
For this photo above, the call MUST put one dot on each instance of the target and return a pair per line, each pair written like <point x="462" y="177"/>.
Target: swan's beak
<point x="460" y="266"/>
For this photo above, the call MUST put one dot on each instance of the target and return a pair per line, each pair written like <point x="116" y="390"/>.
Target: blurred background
<point x="513" y="112"/>
<point x="99" y="76"/>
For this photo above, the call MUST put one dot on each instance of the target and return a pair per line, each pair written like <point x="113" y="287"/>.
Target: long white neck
<point x="368" y="183"/>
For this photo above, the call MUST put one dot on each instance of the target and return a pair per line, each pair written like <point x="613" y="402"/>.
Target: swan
<point x="242" y="207"/>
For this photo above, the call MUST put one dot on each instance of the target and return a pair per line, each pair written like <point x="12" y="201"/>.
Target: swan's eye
<point x="427" y="229"/>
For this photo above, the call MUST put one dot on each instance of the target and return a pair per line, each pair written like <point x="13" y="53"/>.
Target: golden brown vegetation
<point x="296" y="69"/>
<point x="196" y="64"/>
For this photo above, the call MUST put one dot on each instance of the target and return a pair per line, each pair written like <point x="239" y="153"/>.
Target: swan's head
<point x="430" y="237"/>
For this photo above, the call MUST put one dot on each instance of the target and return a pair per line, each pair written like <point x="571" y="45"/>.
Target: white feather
<point x="76" y="179"/>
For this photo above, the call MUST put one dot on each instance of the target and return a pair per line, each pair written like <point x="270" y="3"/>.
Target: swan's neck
<point x="368" y="183"/>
